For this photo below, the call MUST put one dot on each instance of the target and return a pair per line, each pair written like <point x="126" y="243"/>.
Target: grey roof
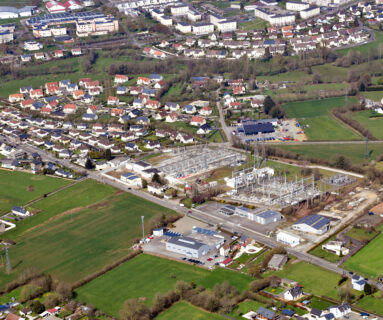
<point x="296" y="291"/>
<point x="186" y="242"/>
<point x="268" y="214"/>
<point x="265" y="313"/>
<point x="316" y="312"/>
<point x="315" y="221"/>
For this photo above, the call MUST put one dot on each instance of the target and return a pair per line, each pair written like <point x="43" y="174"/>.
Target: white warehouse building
<point x="288" y="239"/>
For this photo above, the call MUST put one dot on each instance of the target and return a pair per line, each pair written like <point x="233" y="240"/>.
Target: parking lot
<point x="286" y="131"/>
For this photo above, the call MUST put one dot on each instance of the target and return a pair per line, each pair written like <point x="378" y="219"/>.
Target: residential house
<point x="293" y="293"/>
<point x="197" y="121"/>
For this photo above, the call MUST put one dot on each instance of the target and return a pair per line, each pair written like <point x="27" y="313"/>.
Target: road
<point x="195" y="213"/>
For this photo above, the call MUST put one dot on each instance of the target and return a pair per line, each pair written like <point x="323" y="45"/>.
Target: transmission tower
<point x="367" y="155"/>
<point x="263" y="152"/>
<point x="8" y="262"/>
<point x="256" y="155"/>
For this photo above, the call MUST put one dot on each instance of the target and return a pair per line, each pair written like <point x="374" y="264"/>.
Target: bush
<point x="37" y="307"/>
<point x="52" y="300"/>
<point x="30" y="292"/>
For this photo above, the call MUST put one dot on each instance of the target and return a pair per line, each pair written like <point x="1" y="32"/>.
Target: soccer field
<point x="18" y="188"/>
<point x="145" y="275"/>
<point x="81" y="237"/>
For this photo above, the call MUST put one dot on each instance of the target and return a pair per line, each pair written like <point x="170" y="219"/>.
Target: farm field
<point x="79" y="241"/>
<point x="76" y="197"/>
<point x="188" y="311"/>
<point x="109" y="291"/>
<point x="354" y="152"/>
<point x="313" y="278"/>
<point x="367" y="261"/>
<point x="374" y="124"/>
<point x="18" y="188"/>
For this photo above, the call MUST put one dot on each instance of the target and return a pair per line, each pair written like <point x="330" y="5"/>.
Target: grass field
<point x="79" y="195"/>
<point x="354" y="152"/>
<point x="331" y="73"/>
<point x="365" y="48"/>
<point x="313" y="278"/>
<point x="374" y="124"/>
<point x="372" y="303"/>
<point x="368" y="261"/>
<point x="187" y="311"/>
<point x="360" y="234"/>
<point x="291" y="76"/>
<point x="373" y="95"/>
<point x="316" y="115"/>
<point x="257" y="24"/>
<point x="245" y="307"/>
<point x="145" y="275"/>
<point x="79" y="241"/>
<point x="14" y="189"/>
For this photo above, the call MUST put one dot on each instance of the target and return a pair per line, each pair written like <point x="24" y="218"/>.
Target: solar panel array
<point x="64" y="17"/>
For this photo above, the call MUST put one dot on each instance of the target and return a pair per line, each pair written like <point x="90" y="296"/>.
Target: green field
<point x="368" y="261"/>
<point x="257" y="24"/>
<point x="354" y="152"/>
<point x="316" y="115"/>
<point x="373" y="95"/>
<point x="365" y="48"/>
<point x="314" y="279"/>
<point x="245" y="307"/>
<point x="331" y="73"/>
<point x="145" y="275"/>
<point x="374" y="124"/>
<point x="19" y="188"/>
<point x="291" y="76"/>
<point x="372" y="303"/>
<point x="79" y="241"/>
<point x="360" y="234"/>
<point x="188" y="312"/>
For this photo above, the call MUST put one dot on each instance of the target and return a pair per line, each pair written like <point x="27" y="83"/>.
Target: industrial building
<point x="12" y="12"/>
<point x="251" y="127"/>
<point x="268" y="217"/>
<point x="196" y="245"/>
<point x="288" y="238"/>
<point x="314" y="223"/>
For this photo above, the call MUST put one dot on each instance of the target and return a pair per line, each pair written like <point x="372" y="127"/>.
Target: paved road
<point x="195" y="213"/>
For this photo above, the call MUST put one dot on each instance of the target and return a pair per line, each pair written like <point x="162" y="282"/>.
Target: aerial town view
<point x="191" y="159"/>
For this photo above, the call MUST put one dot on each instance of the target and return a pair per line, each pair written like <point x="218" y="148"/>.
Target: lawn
<point x="354" y="152"/>
<point x="82" y="240"/>
<point x="145" y="275"/>
<point x="188" y="312"/>
<point x="360" y="234"/>
<point x="18" y="188"/>
<point x="257" y="24"/>
<point x="314" y="108"/>
<point x="314" y="279"/>
<point x="368" y="261"/>
<point x="272" y="290"/>
<point x="372" y="303"/>
<point x="373" y="95"/>
<point x="319" y="303"/>
<point x="365" y="48"/>
<point x="374" y="124"/>
<point x="245" y="307"/>
<point x="329" y="256"/>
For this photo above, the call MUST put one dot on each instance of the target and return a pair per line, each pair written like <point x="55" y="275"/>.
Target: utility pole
<point x="367" y="155"/>
<point x="8" y="262"/>
<point x="143" y="228"/>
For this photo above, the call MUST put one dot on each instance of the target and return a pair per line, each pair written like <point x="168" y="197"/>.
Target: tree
<point x="30" y="292"/>
<point x="135" y="310"/>
<point x="108" y="154"/>
<point x="144" y="184"/>
<point x="316" y="78"/>
<point x="64" y="290"/>
<point x="52" y="300"/>
<point x="268" y="104"/>
<point x="367" y="289"/>
<point x="156" y="178"/>
<point x="89" y="164"/>
<point x="37" y="307"/>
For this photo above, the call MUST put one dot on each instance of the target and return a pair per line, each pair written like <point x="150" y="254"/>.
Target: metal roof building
<point x="187" y="246"/>
<point x="268" y="216"/>
<point x="314" y="223"/>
